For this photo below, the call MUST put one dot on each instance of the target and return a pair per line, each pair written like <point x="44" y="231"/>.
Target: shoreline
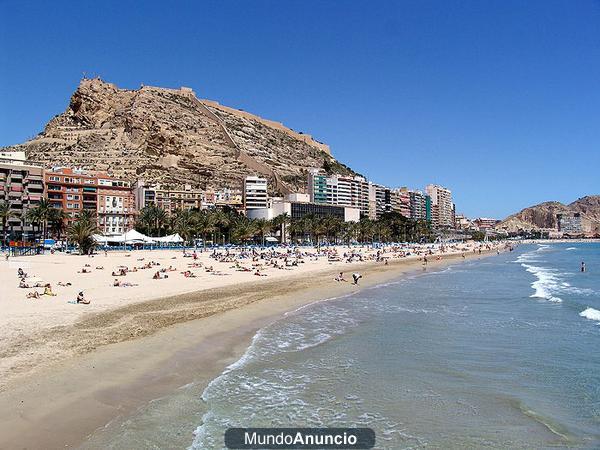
<point x="67" y="401"/>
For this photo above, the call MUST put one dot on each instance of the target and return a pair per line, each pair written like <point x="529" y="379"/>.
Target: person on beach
<point x="356" y="277"/>
<point x="118" y="283"/>
<point x="340" y="277"/>
<point x="81" y="299"/>
<point x="34" y="294"/>
<point x="582" y="266"/>
<point x="48" y="290"/>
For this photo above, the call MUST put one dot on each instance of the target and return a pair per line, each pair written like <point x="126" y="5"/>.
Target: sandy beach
<point x="62" y="379"/>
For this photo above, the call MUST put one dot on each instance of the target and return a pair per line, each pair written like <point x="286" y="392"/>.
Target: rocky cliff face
<point x="544" y="215"/>
<point x="170" y="136"/>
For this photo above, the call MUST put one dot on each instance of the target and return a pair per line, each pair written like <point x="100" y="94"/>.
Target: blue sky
<point x="498" y="100"/>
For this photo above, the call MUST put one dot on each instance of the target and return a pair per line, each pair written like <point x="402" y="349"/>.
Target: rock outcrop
<point x="544" y="215"/>
<point x="170" y="136"/>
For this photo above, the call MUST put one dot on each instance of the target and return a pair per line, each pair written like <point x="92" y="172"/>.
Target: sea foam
<point x="546" y="283"/>
<point x="591" y="314"/>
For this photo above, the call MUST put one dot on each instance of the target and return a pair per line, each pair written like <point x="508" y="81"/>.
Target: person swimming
<point x="582" y="266"/>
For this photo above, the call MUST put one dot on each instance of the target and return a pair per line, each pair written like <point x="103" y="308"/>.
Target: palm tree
<point x="281" y="222"/>
<point x="243" y="230"/>
<point x="222" y="220"/>
<point x="151" y="220"/>
<point x="40" y="215"/>
<point x="316" y="227"/>
<point x="81" y="232"/>
<point x="161" y="218"/>
<point x="56" y="221"/>
<point x="5" y="214"/>
<point x="295" y="228"/>
<point x="87" y="215"/>
<point x="365" y="227"/>
<point x="349" y="232"/>
<point x="184" y="223"/>
<point x="262" y="226"/>
<point x="205" y="224"/>
<point x="34" y="216"/>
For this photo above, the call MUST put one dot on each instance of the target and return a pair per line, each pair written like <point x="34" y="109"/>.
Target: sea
<point x="501" y="352"/>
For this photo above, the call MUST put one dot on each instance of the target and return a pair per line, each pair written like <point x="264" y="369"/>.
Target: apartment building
<point x="22" y="187"/>
<point x="570" y="223"/>
<point x="116" y="205"/>
<point x="420" y="205"/>
<point x="317" y="186"/>
<point x="400" y="201"/>
<point x="169" y="199"/>
<point x="75" y="190"/>
<point x="484" y="223"/>
<point x="442" y="207"/>
<point x="383" y="201"/>
<point x="255" y="193"/>
<point x="338" y="190"/>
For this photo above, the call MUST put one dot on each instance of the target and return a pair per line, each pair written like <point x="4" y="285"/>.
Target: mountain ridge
<point x="543" y="215"/>
<point x="171" y="136"/>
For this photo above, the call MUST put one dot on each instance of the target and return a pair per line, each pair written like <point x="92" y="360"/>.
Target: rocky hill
<point x="171" y="136"/>
<point x="544" y="215"/>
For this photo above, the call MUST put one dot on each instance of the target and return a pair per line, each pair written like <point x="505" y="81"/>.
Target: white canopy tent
<point x="170" y="239"/>
<point x="135" y="237"/>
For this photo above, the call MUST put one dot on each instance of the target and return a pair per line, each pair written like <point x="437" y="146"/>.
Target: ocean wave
<point x="546" y="283"/>
<point x="591" y="314"/>
<point x="571" y="248"/>
<point x="527" y="257"/>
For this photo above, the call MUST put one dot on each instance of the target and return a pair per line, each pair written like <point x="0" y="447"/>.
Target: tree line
<point x="226" y="226"/>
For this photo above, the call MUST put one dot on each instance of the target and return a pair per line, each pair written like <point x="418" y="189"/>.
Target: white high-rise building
<point x="255" y="193"/>
<point x="442" y="208"/>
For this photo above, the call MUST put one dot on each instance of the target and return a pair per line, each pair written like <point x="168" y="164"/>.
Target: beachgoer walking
<point x="356" y="276"/>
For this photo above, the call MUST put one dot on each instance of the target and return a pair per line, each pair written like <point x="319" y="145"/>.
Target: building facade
<point x="400" y="201"/>
<point x="116" y="206"/>
<point x="22" y="187"/>
<point x="110" y="199"/>
<point x="442" y="207"/>
<point x="298" y="209"/>
<point x="255" y="193"/>
<point x="420" y="205"/>
<point x="170" y="199"/>
<point x="338" y="190"/>
<point x="570" y="223"/>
